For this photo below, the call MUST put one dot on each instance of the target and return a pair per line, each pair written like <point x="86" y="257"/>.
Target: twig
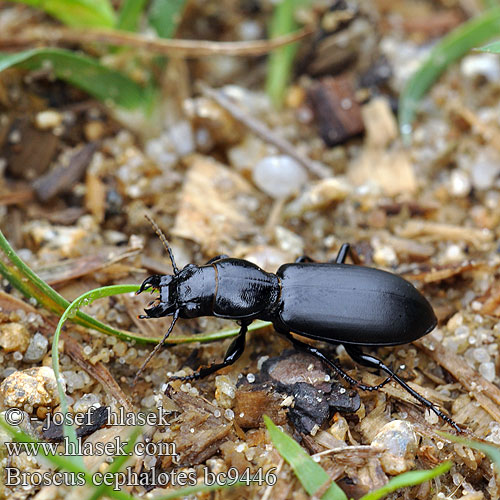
<point x="171" y="47"/>
<point x="261" y="130"/>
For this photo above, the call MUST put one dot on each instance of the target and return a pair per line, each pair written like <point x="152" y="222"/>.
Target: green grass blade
<point x="411" y="478"/>
<point x="130" y="14"/>
<point x="489" y="4"/>
<point x="310" y="474"/>
<point x="83" y="72"/>
<point x="165" y="16"/>
<point x="71" y="310"/>
<point x="281" y="60"/>
<point x="492" y="48"/>
<point x="77" y="13"/>
<point x="453" y="46"/>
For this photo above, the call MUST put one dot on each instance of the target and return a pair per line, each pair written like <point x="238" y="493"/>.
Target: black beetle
<point x="335" y="302"/>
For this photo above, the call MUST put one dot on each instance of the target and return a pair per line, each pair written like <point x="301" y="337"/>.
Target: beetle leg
<point x="371" y="361"/>
<point x="234" y="351"/>
<point x="158" y="346"/>
<point x="302" y="346"/>
<point x="216" y="258"/>
<point x="303" y="258"/>
<point x="344" y="251"/>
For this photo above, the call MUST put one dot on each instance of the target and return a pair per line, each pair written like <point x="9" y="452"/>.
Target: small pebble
<point x="48" y="119"/>
<point x="85" y="402"/>
<point x="225" y="390"/>
<point x="74" y="380"/>
<point x="30" y="389"/>
<point x="288" y="241"/>
<point x="279" y="176"/>
<point x="14" y="337"/>
<point x="481" y="355"/>
<point x="37" y="348"/>
<point x="485" y="170"/>
<point x="486" y="65"/>
<point x="487" y="370"/>
<point x="459" y="183"/>
<point x="399" y="441"/>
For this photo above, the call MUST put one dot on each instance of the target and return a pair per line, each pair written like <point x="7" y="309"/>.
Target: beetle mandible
<point x="334" y="302"/>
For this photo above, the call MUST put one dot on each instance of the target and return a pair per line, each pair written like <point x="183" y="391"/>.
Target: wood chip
<point x="391" y="171"/>
<point x="336" y="110"/>
<point x="210" y="212"/>
<point x="95" y="196"/>
<point x="28" y="150"/>
<point x="211" y="431"/>
<point x="380" y="122"/>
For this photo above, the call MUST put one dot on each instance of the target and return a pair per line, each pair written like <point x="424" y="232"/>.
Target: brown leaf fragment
<point x="63" y="178"/>
<point x="211" y="210"/>
<point x="200" y="433"/>
<point x="28" y="150"/>
<point x="336" y="110"/>
<point x="68" y="269"/>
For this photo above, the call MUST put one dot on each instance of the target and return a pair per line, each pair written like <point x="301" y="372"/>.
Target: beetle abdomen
<point x="352" y="304"/>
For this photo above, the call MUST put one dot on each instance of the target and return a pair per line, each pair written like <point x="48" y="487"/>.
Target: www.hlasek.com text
<point x="113" y="448"/>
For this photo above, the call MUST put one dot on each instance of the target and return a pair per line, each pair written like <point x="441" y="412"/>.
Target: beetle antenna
<point x="160" y="234"/>
<point x="158" y="346"/>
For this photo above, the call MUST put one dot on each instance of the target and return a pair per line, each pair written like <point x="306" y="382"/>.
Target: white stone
<point x="487" y="65"/>
<point x="279" y="176"/>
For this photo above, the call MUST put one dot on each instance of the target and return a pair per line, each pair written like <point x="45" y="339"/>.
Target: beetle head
<point x="166" y="303"/>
